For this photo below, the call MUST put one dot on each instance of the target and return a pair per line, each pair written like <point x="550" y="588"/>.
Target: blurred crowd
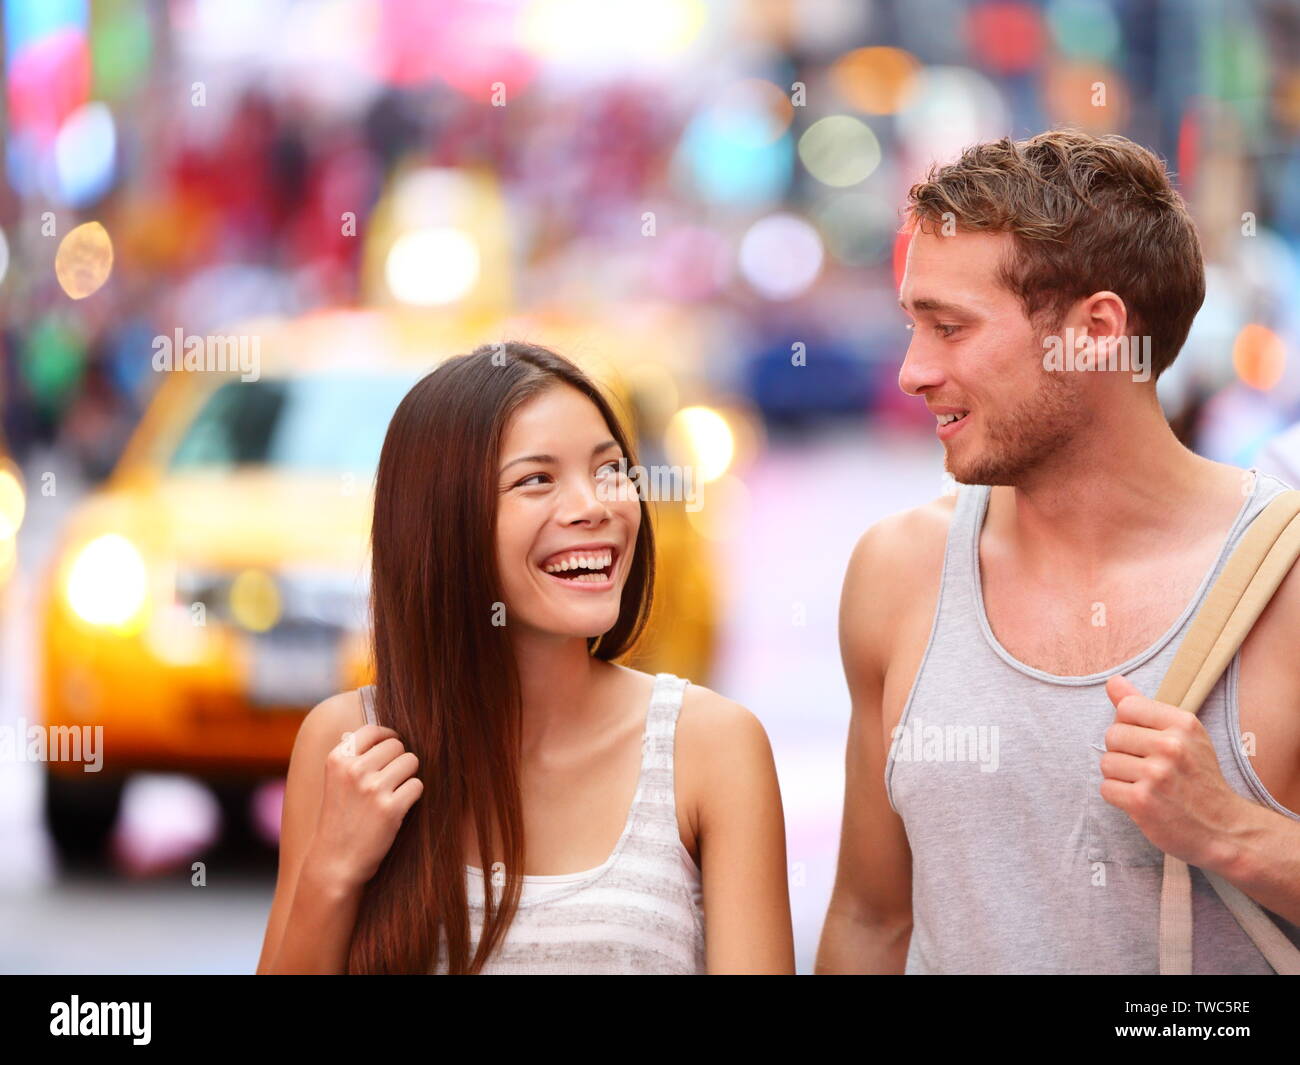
<point x="745" y="161"/>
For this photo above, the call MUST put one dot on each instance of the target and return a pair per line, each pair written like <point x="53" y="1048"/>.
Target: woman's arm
<point x="726" y="764"/>
<point x="312" y="916"/>
<point x="343" y="804"/>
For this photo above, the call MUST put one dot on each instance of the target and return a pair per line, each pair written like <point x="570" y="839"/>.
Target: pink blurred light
<point x="49" y="80"/>
<point x="1007" y="36"/>
<point x="470" y="44"/>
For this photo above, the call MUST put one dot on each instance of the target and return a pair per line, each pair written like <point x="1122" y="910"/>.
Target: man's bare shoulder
<point x="891" y="586"/>
<point x="910" y="541"/>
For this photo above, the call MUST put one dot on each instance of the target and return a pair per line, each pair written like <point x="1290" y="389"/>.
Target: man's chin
<point x="966" y="471"/>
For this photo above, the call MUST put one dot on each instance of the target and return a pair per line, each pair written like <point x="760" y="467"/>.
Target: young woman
<point x="627" y="823"/>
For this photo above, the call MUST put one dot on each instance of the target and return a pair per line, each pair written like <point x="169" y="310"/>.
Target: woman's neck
<point x="557" y="677"/>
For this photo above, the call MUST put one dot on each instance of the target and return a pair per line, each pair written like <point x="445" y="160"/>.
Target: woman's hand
<point x="369" y="785"/>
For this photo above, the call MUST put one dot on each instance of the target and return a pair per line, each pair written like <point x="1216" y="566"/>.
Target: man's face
<point x="975" y="354"/>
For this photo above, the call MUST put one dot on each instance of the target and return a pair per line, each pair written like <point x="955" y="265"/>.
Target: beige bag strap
<point x="1249" y="578"/>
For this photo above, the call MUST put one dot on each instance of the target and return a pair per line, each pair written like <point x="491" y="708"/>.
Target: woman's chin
<point x="578" y="624"/>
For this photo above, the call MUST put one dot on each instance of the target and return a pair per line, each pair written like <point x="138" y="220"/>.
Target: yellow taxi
<point x="215" y="588"/>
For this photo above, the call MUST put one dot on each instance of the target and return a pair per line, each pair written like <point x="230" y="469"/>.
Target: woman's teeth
<point x="591" y="563"/>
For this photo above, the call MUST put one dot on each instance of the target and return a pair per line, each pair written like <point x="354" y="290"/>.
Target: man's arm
<point x="869" y="920"/>
<point x="1264" y="860"/>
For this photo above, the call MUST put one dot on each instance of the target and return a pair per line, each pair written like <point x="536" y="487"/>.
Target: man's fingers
<point x="1139" y="710"/>
<point x="1131" y="739"/>
<point x="1119" y="687"/>
<point x="1122" y="767"/>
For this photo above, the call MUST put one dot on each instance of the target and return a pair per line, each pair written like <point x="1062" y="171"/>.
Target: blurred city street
<point x="234" y="234"/>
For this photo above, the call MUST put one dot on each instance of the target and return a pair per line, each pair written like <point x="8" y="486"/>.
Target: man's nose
<point x="921" y="369"/>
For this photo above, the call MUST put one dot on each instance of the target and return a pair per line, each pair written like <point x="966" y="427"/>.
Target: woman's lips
<point x="585" y="584"/>
<point x="588" y="580"/>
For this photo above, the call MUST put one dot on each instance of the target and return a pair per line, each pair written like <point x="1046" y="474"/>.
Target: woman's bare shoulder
<point x="721" y="745"/>
<point x="705" y="716"/>
<point x="328" y="720"/>
<point x="709" y="719"/>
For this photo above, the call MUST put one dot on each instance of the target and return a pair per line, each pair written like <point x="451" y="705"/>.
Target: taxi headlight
<point x="107" y="583"/>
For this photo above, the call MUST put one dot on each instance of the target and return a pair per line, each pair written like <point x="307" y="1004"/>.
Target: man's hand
<point x="1160" y="768"/>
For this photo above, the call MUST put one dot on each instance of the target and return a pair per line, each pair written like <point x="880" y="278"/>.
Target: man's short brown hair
<point x="1087" y="214"/>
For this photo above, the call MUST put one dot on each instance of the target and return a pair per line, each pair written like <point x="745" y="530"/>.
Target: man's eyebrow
<point x="926" y="303"/>
<point x="544" y="459"/>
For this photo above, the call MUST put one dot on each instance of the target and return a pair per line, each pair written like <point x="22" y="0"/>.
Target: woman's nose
<point x="581" y="502"/>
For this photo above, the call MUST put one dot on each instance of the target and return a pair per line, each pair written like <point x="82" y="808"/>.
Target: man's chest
<point x="1068" y="630"/>
<point x="1075" y="629"/>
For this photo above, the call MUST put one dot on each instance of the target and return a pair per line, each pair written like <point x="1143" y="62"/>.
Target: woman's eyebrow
<point x="552" y="459"/>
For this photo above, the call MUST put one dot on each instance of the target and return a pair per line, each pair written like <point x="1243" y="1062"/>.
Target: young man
<point x="992" y="638"/>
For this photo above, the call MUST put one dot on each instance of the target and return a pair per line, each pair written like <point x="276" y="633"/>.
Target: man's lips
<point x="949" y="421"/>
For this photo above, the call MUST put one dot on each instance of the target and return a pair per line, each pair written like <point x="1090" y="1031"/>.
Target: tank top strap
<point x="964" y="531"/>
<point x="368" y="703"/>
<point x="655" y="796"/>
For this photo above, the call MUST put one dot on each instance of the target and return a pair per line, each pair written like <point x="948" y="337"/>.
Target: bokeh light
<point x="107" y="584"/>
<point x="600" y="35"/>
<point x="1259" y="356"/>
<point x="13" y="500"/>
<point x="1007" y="36"/>
<point x="878" y="80"/>
<point x="839" y="150"/>
<point x="84" y="155"/>
<point x="780" y="256"/>
<point x="700" y="437"/>
<point x="729" y="155"/>
<point x="1084" y="29"/>
<point x="432" y="266"/>
<point x="1088" y="95"/>
<point x="254" y="600"/>
<point x="84" y="260"/>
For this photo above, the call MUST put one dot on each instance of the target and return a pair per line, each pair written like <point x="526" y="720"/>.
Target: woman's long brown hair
<point x="445" y="676"/>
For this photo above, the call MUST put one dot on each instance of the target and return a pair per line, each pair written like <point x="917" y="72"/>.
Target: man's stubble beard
<point x="1021" y="440"/>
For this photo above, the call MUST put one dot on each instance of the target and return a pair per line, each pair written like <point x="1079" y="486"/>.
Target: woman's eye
<point x="612" y="468"/>
<point x="532" y="479"/>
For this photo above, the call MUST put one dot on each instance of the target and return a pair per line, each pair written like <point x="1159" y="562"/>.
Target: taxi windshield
<point x="322" y="422"/>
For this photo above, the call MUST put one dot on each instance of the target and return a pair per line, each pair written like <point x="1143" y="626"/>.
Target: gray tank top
<point x="640" y="912"/>
<point x="1018" y="864"/>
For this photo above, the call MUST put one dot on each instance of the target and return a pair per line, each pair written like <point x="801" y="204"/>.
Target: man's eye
<point x="950" y="329"/>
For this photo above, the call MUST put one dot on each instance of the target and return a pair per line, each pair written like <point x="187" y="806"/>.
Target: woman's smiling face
<point x="567" y="517"/>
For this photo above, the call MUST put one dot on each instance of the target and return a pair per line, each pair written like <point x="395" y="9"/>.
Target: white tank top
<point x="640" y="911"/>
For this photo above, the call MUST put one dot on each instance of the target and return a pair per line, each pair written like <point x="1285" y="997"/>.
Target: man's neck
<point x="1117" y="488"/>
